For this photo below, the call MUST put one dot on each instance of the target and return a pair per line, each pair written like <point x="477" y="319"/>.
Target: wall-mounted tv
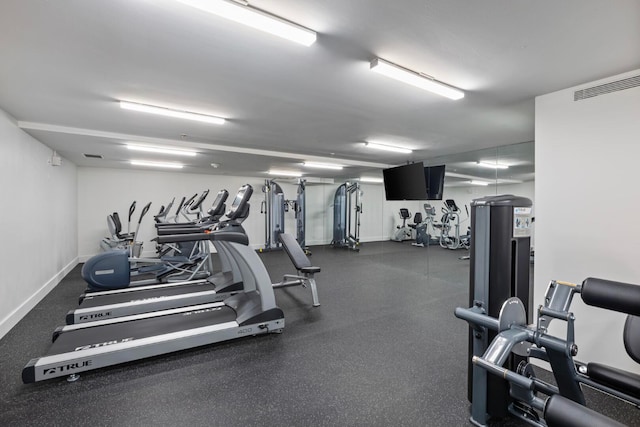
<point x="434" y="175"/>
<point x="406" y="182"/>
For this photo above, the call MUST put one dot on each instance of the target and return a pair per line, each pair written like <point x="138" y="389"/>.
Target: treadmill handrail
<point x="221" y="235"/>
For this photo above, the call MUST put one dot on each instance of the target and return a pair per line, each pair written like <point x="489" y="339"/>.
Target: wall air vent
<point x="93" y="156"/>
<point x="606" y="88"/>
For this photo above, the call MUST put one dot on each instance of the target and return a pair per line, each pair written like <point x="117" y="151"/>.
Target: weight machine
<point x="347" y="208"/>
<point x="274" y="207"/>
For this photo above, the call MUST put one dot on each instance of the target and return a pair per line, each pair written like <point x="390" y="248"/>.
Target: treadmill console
<point x="240" y="202"/>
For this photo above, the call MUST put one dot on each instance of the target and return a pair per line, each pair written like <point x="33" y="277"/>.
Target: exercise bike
<point x="426" y="229"/>
<point x="403" y="232"/>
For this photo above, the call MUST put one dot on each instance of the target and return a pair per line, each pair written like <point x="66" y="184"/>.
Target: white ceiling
<point x="65" y="63"/>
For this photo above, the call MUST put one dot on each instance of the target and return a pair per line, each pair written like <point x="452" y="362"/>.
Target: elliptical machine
<point x="450" y="227"/>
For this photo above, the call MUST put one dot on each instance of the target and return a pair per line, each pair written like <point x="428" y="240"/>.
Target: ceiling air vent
<point x="606" y="88"/>
<point x="93" y="156"/>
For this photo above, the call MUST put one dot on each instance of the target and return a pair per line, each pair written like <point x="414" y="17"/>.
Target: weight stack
<point x="500" y="263"/>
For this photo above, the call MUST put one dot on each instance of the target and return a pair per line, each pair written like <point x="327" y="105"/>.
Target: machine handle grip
<point x="132" y="208"/>
<point x="226" y="236"/>
<point x="144" y="212"/>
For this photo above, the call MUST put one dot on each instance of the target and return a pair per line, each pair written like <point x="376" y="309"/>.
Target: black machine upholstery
<point x="417" y="220"/>
<point x="562" y="412"/>
<point x="631" y="337"/>
<point x="617" y="296"/>
<point x="297" y="255"/>
<point x="626" y="382"/>
<point x="625" y="298"/>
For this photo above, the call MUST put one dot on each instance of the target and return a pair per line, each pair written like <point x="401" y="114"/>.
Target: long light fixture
<point x="187" y="115"/>
<point x="386" y="147"/>
<point x="321" y="166"/>
<point x="482" y="183"/>
<point x="415" y="79"/>
<point x="157" y="164"/>
<point x="255" y="18"/>
<point x="370" y="179"/>
<point x="284" y="173"/>
<point x="493" y="165"/>
<point x="161" y="150"/>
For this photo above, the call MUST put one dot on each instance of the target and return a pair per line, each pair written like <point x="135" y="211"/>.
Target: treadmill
<point x="115" y="303"/>
<point x="104" y="343"/>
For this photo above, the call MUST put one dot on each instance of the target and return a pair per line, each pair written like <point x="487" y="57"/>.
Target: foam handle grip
<point x="617" y="296"/>
<point x="562" y="412"/>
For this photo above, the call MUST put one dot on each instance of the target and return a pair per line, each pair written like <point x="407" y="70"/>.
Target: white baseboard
<point x="16" y="315"/>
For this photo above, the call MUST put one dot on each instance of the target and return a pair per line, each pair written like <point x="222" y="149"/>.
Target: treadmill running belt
<point x="149" y="294"/>
<point x="137" y="329"/>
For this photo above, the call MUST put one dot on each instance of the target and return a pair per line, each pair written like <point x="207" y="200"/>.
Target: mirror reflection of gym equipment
<point x="449" y="227"/>
<point x="405" y="231"/>
<point x="426" y="232"/>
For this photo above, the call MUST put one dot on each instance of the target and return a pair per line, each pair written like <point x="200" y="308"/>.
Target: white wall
<point x="102" y="191"/>
<point x="587" y="205"/>
<point x="38" y="224"/>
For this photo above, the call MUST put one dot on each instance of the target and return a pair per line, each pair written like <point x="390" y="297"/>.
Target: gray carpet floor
<point x="384" y="349"/>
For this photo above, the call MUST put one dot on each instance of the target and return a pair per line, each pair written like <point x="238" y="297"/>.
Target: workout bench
<point x="302" y="264"/>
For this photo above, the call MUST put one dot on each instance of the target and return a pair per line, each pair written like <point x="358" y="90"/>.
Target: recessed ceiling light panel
<point x="255" y="18"/>
<point x="493" y="165"/>
<point x="387" y="147"/>
<point x="413" y="78"/>
<point x="157" y="164"/>
<point x="370" y="179"/>
<point x="321" y="166"/>
<point x="284" y="173"/>
<point x="161" y="150"/>
<point x="187" y="115"/>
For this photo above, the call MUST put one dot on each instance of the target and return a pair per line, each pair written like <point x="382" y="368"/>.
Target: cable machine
<point x="299" y="207"/>
<point x="274" y="207"/>
<point x="347" y="207"/>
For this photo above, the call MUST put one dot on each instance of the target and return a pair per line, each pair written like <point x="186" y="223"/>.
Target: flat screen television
<point x="406" y="182"/>
<point x="434" y="175"/>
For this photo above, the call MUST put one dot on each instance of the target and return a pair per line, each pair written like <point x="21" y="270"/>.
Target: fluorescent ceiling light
<point x="321" y="165"/>
<point x="385" y="147"/>
<point x="493" y="165"/>
<point x="284" y="173"/>
<point x="157" y="164"/>
<point x="474" y="182"/>
<point x="161" y="150"/>
<point x="370" y="179"/>
<point x="415" y="79"/>
<point x="171" y="113"/>
<point x="255" y="18"/>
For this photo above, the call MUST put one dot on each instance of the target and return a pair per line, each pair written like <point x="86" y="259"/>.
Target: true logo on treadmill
<point x="95" y="315"/>
<point x="66" y="368"/>
<point x="244" y="331"/>
<point x="103" y="344"/>
<point x="205" y="310"/>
